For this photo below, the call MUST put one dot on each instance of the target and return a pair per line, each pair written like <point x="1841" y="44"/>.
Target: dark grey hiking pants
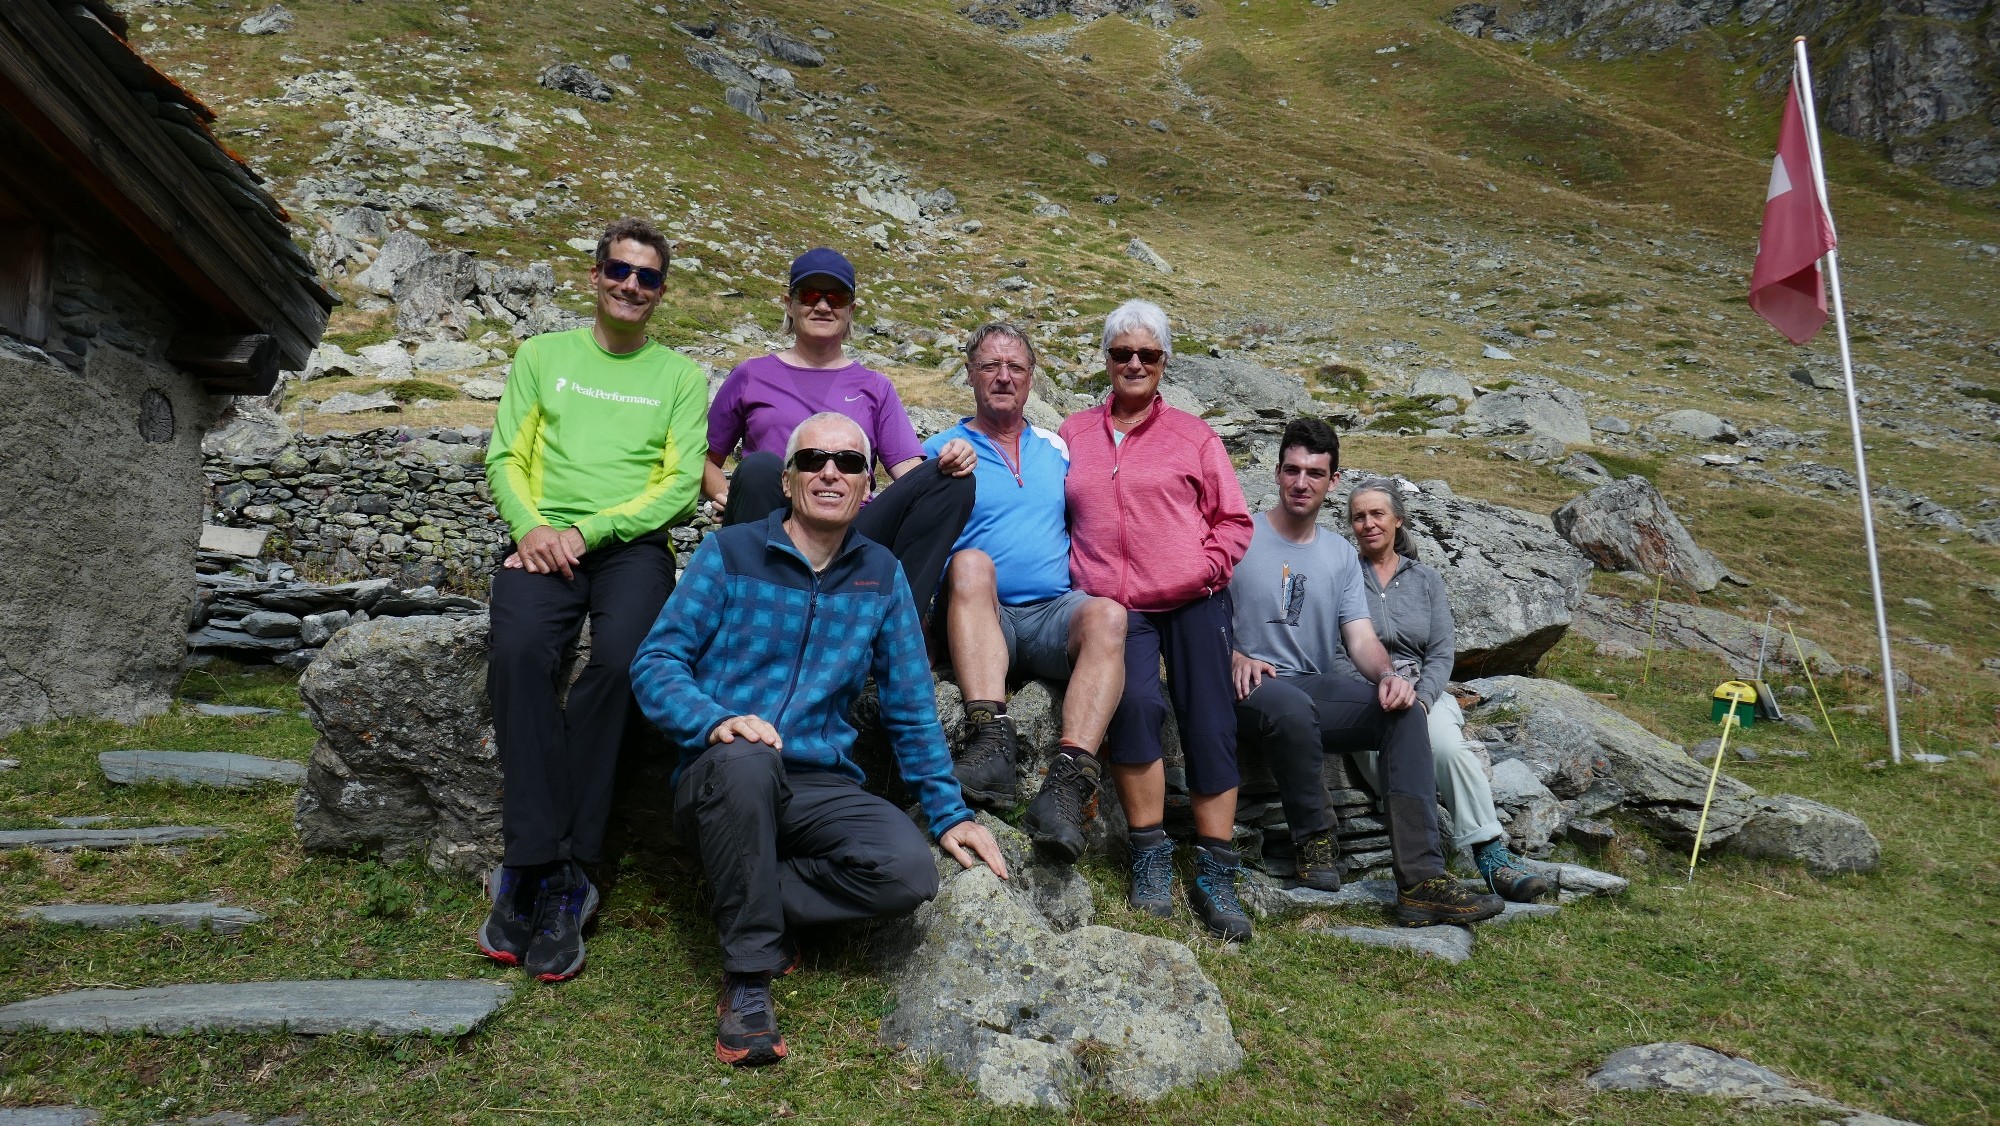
<point x="786" y="848"/>
<point x="1298" y="720"/>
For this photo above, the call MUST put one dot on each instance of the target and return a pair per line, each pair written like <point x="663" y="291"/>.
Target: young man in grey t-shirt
<point x="1299" y="604"/>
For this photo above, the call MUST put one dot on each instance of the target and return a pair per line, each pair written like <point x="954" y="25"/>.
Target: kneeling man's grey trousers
<point x="787" y="848"/>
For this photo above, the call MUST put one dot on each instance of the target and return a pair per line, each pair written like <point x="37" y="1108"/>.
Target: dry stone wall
<point x="411" y="505"/>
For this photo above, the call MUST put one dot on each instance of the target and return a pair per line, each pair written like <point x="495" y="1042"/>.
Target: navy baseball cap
<point x="825" y="262"/>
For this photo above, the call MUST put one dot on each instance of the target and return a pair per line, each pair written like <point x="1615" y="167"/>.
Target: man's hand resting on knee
<point x="750" y="729"/>
<point x="968" y="840"/>
<point x="545" y="551"/>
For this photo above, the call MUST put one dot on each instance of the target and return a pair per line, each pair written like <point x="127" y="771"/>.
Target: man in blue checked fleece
<point x="749" y="671"/>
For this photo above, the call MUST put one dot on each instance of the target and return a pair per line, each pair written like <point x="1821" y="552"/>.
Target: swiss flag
<point x="1786" y="287"/>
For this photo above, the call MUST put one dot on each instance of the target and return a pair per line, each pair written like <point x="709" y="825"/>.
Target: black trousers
<point x="1195" y="639"/>
<point x="918" y="517"/>
<point x="557" y="762"/>
<point x="787" y="848"/>
<point x="1298" y="720"/>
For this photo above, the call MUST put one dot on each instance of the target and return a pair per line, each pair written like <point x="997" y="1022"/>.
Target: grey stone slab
<point x="225" y="769"/>
<point x="309" y="1008"/>
<point x="47" y="1116"/>
<point x="82" y="822"/>
<point x="66" y="840"/>
<point x="111" y="916"/>
<point x="232" y="710"/>
<point x="1446" y="943"/>
<point x="1515" y="912"/>
<point x="247" y="543"/>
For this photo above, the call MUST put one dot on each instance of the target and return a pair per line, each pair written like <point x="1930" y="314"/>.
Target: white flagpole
<point x="1853" y="404"/>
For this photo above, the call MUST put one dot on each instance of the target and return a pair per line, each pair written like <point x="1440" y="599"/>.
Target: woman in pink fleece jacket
<point x="1157" y="522"/>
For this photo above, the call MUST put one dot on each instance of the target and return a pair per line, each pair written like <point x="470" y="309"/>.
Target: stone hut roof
<point x="120" y="156"/>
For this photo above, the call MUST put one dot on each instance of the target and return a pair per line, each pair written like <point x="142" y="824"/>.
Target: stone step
<point x="224" y="769"/>
<point x="231" y="711"/>
<point x="66" y="840"/>
<point x="110" y="916"/>
<point x="307" y="1008"/>
<point x="47" y="1116"/>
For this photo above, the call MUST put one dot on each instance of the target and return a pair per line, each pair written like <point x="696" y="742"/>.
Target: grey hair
<point x="792" y="443"/>
<point x="1002" y="329"/>
<point x="1387" y="488"/>
<point x="1138" y="315"/>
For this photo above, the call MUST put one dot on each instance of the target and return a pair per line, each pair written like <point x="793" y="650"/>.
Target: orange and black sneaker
<point x="746" y="1030"/>
<point x="1442" y="899"/>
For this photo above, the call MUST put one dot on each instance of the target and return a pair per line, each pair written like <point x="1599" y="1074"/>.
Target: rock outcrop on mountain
<point x="1917" y="77"/>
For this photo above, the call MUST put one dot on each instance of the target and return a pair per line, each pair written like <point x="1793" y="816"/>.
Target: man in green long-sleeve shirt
<point x="596" y="454"/>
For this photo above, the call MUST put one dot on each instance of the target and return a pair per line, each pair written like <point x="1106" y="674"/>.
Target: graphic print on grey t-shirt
<point x="1292" y="595"/>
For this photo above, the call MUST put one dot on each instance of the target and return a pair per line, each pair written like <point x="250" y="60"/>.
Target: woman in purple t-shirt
<point x="926" y="504"/>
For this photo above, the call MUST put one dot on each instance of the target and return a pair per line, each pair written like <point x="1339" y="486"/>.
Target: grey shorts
<point x="1037" y="636"/>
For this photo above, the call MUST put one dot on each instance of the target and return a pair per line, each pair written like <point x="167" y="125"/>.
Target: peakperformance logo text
<point x="608" y="396"/>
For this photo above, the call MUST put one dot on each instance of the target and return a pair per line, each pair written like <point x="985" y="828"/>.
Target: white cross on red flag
<point x="1786" y="287"/>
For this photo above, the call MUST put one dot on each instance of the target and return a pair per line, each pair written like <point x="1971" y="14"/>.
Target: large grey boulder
<point x="405" y="764"/>
<point x="574" y="78"/>
<point x="1631" y="626"/>
<point x="430" y="296"/>
<point x="1029" y="1013"/>
<point x="1547" y="412"/>
<point x="400" y="253"/>
<point x="1511" y="580"/>
<point x="299" y="1008"/>
<point x="1590" y="755"/>
<point x="250" y="430"/>
<point x="1828" y="841"/>
<point x="1627" y="526"/>
<point x="224" y="769"/>
<point x="1236" y="384"/>
<point x="1690" y="1069"/>
<point x="1697" y="424"/>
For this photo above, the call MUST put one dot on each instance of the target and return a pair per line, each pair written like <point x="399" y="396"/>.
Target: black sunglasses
<point x="618" y="270"/>
<point x="1147" y="356"/>
<point x="812" y="295"/>
<point x="811" y="460"/>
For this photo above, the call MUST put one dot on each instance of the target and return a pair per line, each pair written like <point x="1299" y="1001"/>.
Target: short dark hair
<point x="1315" y="436"/>
<point x="992" y="329"/>
<point x="636" y="230"/>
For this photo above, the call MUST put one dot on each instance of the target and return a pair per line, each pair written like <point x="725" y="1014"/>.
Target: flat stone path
<point x="47" y="1116"/>
<point x="310" y="1008"/>
<point x="232" y="710"/>
<point x="224" y="769"/>
<point x="109" y="916"/>
<point x="66" y="840"/>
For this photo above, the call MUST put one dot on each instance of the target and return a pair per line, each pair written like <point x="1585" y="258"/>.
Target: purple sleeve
<point x="725" y="414"/>
<point x="895" y="439"/>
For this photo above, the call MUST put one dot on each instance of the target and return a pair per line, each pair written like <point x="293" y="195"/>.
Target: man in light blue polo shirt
<point x="1009" y="604"/>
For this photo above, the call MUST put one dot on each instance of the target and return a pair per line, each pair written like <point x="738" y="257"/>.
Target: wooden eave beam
<point x="75" y="106"/>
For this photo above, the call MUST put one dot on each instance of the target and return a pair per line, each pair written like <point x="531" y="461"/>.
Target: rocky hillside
<point x="1389" y="209"/>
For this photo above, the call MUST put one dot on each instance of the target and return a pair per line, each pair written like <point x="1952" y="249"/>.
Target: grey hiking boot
<point x="1153" y="879"/>
<point x="569" y="899"/>
<point x="985" y="768"/>
<point x="1060" y="812"/>
<point x="1319" y="862"/>
<point x="1212" y="894"/>
<point x="1506" y="875"/>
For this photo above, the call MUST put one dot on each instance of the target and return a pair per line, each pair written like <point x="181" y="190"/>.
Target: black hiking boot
<point x="746" y="1030"/>
<point x="985" y="768"/>
<point x="510" y="926"/>
<point x="568" y="901"/>
<point x="1442" y="899"/>
<point x="1212" y="894"/>
<point x="1059" y="813"/>
<point x="1507" y="876"/>
<point x="1319" y="862"/>
<point x="1153" y="878"/>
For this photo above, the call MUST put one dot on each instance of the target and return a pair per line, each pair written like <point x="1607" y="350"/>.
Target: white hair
<point x="1138" y="315"/>
<point x="792" y="443"/>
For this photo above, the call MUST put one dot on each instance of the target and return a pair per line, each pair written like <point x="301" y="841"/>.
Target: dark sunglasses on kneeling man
<point x="811" y="460"/>
<point x="618" y="270"/>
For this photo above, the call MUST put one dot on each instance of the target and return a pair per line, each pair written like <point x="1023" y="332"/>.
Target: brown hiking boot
<point x="1319" y="862"/>
<point x="1442" y="899"/>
